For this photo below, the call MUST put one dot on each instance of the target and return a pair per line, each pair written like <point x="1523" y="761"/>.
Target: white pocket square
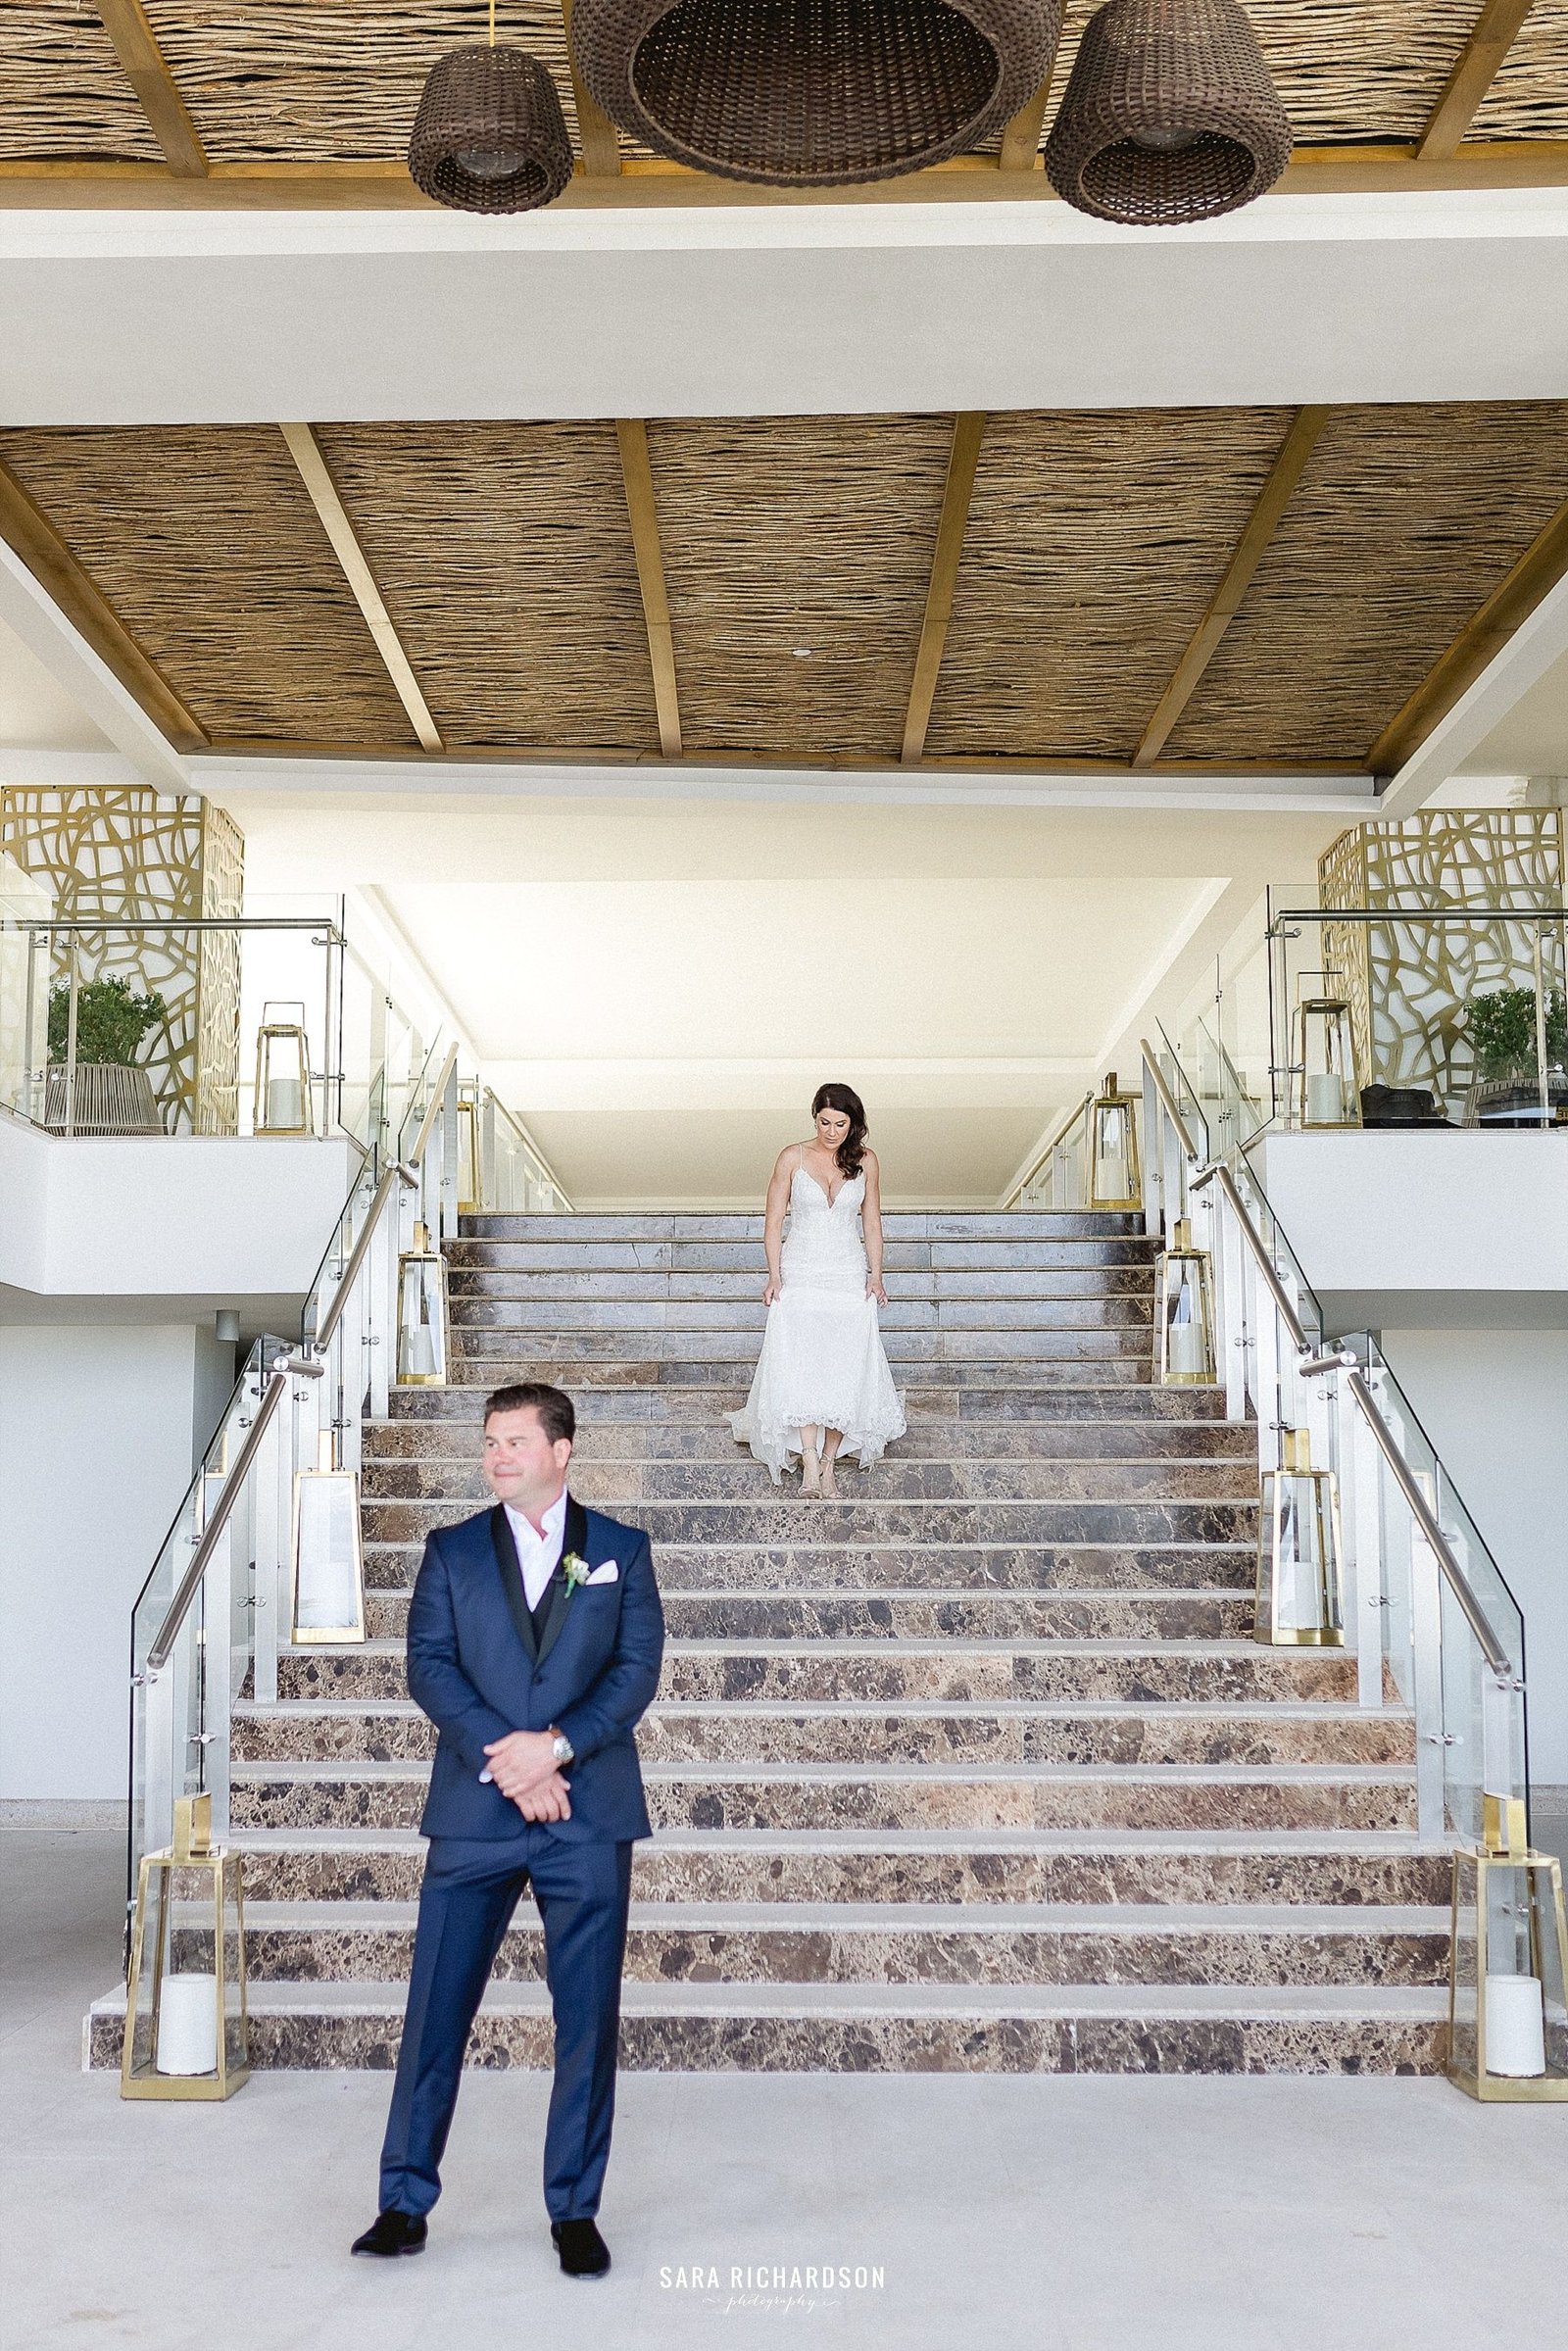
<point x="607" y="1572"/>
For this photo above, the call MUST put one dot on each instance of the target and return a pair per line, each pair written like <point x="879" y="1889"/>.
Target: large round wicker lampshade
<point x="812" y="93"/>
<point x="489" y="135"/>
<point x="1168" y="115"/>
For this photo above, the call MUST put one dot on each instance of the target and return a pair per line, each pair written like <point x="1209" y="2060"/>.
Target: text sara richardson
<point x="775" y="2278"/>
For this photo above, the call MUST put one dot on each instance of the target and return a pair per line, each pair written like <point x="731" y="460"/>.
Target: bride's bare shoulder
<point x="789" y="1157"/>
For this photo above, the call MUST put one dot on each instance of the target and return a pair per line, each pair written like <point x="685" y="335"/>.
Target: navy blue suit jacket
<point x="473" y="1669"/>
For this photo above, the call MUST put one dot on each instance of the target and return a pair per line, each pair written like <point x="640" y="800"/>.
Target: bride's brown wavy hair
<point x="851" y="1151"/>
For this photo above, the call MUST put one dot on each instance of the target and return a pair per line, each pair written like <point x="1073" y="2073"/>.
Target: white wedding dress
<point x="822" y="1358"/>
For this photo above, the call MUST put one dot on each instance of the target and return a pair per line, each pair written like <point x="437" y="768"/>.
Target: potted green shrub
<point x="1500" y="1026"/>
<point x="113" y="1091"/>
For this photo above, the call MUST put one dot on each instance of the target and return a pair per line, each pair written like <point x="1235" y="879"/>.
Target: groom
<point x="535" y="1636"/>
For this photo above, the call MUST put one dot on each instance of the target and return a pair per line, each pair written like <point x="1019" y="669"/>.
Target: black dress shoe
<point x="583" y="2251"/>
<point x="393" y="2233"/>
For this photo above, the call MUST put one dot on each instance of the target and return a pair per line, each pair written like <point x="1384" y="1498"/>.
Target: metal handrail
<point x="401" y="1171"/>
<point x="1167" y="1099"/>
<point x="489" y="1094"/>
<point x="1216" y="1172"/>
<point x="285" y="1370"/>
<point x="1475" y="1615"/>
<point x="1065" y="1124"/>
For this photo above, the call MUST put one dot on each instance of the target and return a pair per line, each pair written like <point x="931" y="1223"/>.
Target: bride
<point x="822" y="1369"/>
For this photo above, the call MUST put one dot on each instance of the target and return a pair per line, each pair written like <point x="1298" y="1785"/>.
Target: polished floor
<point x="1025" y="2214"/>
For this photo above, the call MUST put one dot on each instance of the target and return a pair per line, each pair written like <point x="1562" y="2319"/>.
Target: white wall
<point x="169" y="1216"/>
<point x="1496" y="1405"/>
<point x="95" y="1452"/>
<point x="1442" y="1229"/>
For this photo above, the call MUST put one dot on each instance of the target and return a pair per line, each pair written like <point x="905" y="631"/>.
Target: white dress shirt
<point x="538" y="1555"/>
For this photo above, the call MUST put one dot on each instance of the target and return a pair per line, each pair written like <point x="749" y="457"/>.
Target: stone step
<point x="1131" y="1253"/>
<point x="1121" y="1323"/>
<point x="391" y="1730"/>
<point x="892" y="1615"/>
<point x="827" y="1672"/>
<point x="896" y="1943"/>
<point x="624" y="1486"/>
<point x="782" y="1515"/>
<point x="603" y="1440"/>
<point x="1125" y="1867"/>
<point x="705" y="1300"/>
<point x="959" y="1397"/>
<point x="587" y="1360"/>
<point x="904" y="1796"/>
<point x="898" y="1224"/>
<point x="879" y="2028"/>
<point x="954" y="1568"/>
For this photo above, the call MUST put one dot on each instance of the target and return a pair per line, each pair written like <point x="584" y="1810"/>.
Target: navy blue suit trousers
<point x="471" y="1887"/>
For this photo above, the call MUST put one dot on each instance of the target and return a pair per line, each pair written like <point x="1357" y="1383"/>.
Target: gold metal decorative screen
<point x="1408" y="983"/>
<point x="134" y="856"/>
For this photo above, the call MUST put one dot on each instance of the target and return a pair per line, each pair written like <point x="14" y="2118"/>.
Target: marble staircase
<point x="978" y="1768"/>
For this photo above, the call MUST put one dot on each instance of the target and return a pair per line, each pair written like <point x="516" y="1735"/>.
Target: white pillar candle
<point x="1516" y="2026"/>
<point x="419" y="1351"/>
<point x="1185" y="1353"/>
<point x="1325" y="1099"/>
<point x="187" y="2024"/>
<point x="285" y="1102"/>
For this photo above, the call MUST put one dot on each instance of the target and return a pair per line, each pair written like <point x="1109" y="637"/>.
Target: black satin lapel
<point x="510" y="1573"/>
<point x="575" y="1538"/>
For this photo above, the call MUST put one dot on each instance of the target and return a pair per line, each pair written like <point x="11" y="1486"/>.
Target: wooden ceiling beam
<point x="641" y="185"/>
<point x="968" y="430"/>
<point x="306" y="450"/>
<point x="1475" y="68"/>
<point x="142" y="60"/>
<point x="1020" y="141"/>
<point x="1222" y="606"/>
<point x="1538" y="571"/>
<point x="29" y="531"/>
<point x="598" y="136"/>
<point x="631" y="433"/>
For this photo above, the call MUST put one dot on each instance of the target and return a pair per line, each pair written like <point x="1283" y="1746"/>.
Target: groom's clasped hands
<point x="523" y="1767"/>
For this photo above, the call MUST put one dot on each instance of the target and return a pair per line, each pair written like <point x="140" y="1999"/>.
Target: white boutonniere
<point x="575" y="1569"/>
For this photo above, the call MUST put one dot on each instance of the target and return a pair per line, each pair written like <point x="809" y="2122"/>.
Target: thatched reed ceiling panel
<point x="63" y="90"/>
<point x="1402" y="524"/>
<point x="1529" y="98"/>
<point x="1346" y="71"/>
<point x="787" y="531"/>
<point x="1095" y="541"/>
<point x="503" y="555"/>
<point x="307" y="81"/>
<point x="204" y="541"/>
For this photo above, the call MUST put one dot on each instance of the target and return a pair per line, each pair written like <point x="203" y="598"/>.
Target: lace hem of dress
<point x="777" y="1441"/>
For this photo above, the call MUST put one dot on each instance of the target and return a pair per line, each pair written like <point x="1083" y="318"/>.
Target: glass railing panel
<point x="173" y="1734"/>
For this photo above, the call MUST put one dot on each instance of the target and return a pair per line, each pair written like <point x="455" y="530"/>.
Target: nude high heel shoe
<point x="810" y="1474"/>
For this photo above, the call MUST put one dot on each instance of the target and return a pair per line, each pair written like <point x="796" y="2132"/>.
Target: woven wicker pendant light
<point x="1168" y="115"/>
<point x="812" y="93"/>
<point x="489" y="135"/>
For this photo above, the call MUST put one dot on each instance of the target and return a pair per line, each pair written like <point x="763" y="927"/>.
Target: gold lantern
<point x="1184" y="1313"/>
<point x="1300" y="1602"/>
<point x="188" y="2028"/>
<point x="421" y="1314"/>
<point x="470" y="1184"/>
<point x="1508" y="1966"/>
<point x="328" y="1579"/>
<point x="282" y="1073"/>
<point x="1327" y="1091"/>
<point x="1113" y="1176"/>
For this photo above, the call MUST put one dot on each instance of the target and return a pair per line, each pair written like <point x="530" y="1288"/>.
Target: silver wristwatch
<point x="562" y="1749"/>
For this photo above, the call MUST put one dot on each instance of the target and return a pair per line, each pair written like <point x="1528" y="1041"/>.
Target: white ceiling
<point x="128" y="317"/>
<point x="1532" y="740"/>
<point x="36" y="713"/>
<point x="658" y="987"/>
